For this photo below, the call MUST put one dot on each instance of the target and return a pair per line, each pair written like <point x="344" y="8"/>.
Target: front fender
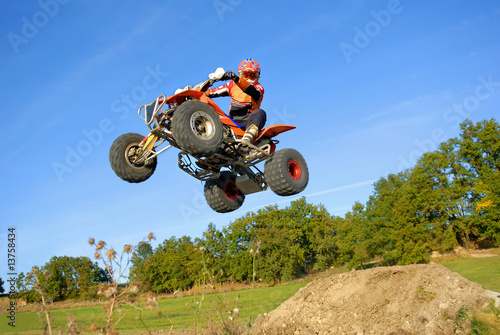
<point x="181" y="97"/>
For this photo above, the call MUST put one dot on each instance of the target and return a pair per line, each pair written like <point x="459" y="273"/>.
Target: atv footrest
<point x="186" y="165"/>
<point x="254" y="154"/>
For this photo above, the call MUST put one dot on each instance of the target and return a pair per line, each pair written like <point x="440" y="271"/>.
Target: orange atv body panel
<point x="274" y="130"/>
<point x="198" y="95"/>
<point x="269" y="132"/>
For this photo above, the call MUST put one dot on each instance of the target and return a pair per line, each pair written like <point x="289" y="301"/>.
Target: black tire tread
<point x="216" y="197"/>
<point x="122" y="167"/>
<point x="276" y="173"/>
<point x="185" y="137"/>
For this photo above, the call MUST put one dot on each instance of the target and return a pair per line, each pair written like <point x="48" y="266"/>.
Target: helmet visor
<point x="250" y="75"/>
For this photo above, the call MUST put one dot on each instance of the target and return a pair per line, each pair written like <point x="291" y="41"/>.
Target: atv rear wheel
<point x="197" y="128"/>
<point x="222" y="195"/>
<point x="122" y="155"/>
<point x="286" y="172"/>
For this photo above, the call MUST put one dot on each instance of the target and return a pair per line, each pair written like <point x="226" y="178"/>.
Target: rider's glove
<point x="229" y="75"/>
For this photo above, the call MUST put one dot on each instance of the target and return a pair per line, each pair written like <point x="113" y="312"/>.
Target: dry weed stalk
<point x="254" y="274"/>
<point x="38" y="286"/>
<point x="115" y="269"/>
<point x="227" y="316"/>
<point x="254" y="255"/>
<point x="71" y="325"/>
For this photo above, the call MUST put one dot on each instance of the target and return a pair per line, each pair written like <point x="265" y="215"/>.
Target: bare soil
<point x="413" y="299"/>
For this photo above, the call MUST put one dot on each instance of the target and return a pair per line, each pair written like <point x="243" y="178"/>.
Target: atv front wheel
<point x="197" y="128"/>
<point x="286" y="172"/>
<point x="122" y="156"/>
<point x="222" y="195"/>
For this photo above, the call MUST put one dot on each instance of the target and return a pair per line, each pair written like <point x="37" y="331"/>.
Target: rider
<point x="246" y="96"/>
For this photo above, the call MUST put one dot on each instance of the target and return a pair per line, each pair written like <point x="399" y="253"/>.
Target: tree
<point x="488" y="205"/>
<point x="25" y="287"/>
<point x="354" y="238"/>
<point x="239" y="239"/>
<point x="21" y="282"/>
<point x="175" y="265"/>
<point x="139" y="261"/>
<point x="444" y="184"/>
<point x="68" y="277"/>
<point x="314" y="233"/>
<point x="218" y="259"/>
<point x="463" y="178"/>
<point x="2" y="290"/>
<point x="411" y="229"/>
<point x="397" y="229"/>
<point x="479" y="146"/>
<point x="290" y="239"/>
<point x="380" y="239"/>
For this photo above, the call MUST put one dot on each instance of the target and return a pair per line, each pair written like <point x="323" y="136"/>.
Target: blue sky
<point x="370" y="85"/>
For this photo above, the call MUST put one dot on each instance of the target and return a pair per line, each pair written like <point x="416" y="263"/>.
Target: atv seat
<point x="236" y="123"/>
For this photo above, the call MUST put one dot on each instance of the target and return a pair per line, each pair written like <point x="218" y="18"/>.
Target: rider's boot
<point x="250" y="134"/>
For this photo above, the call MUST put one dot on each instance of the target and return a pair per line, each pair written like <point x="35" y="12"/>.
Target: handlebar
<point x="207" y="84"/>
<point x="204" y="85"/>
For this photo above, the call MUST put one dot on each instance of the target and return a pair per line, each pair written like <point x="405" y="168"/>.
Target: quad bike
<point x="211" y="149"/>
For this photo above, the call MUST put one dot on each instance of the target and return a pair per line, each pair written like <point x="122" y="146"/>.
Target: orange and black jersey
<point x="245" y="97"/>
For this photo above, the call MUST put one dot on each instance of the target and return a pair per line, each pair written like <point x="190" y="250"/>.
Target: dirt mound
<point x="414" y="299"/>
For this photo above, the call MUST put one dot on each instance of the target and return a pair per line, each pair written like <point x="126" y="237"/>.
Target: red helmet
<point x="249" y="70"/>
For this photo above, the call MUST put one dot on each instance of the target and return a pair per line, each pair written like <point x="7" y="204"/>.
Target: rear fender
<point x="274" y="130"/>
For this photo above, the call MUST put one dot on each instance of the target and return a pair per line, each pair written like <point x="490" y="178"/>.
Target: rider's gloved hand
<point x="229" y="75"/>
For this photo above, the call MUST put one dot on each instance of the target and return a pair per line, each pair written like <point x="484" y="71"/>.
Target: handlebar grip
<point x="209" y="83"/>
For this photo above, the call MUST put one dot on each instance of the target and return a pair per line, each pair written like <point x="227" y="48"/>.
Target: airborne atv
<point x="211" y="149"/>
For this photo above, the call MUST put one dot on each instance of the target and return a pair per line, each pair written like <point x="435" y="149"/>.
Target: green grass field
<point x="183" y="313"/>
<point x="171" y="313"/>
<point x="485" y="271"/>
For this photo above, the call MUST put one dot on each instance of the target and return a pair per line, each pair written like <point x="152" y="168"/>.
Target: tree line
<point x="450" y="198"/>
<point x="62" y="278"/>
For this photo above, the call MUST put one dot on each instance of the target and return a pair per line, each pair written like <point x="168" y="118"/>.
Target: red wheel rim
<point x="294" y="170"/>
<point x="230" y="190"/>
